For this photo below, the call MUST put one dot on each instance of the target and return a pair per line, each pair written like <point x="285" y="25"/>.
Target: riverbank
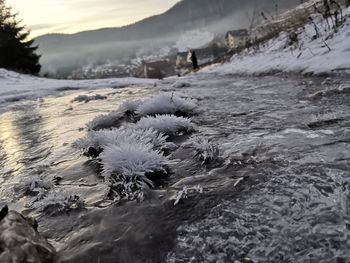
<point x="316" y="48"/>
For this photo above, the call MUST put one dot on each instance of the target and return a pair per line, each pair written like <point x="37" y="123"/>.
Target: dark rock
<point x="20" y="242"/>
<point x="3" y="212"/>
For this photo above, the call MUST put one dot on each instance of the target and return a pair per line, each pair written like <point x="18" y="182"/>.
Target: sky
<point x="70" y="16"/>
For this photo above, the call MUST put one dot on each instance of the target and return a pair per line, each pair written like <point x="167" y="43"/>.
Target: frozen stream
<point x="279" y="193"/>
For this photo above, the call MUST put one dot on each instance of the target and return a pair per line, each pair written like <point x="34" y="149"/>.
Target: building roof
<point x="237" y="33"/>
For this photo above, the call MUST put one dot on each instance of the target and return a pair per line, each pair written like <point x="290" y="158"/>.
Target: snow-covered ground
<point x="15" y="86"/>
<point x="327" y="53"/>
<point x="307" y="56"/>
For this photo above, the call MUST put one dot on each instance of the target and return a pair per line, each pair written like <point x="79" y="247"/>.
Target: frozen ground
<point x="263" y="177"/>
<point x="328" y="53"/>
<point x="14" y="86"/>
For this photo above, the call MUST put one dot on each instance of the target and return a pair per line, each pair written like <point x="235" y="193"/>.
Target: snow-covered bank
<point x="15" y="86"/>
<point x="327" y="53"/>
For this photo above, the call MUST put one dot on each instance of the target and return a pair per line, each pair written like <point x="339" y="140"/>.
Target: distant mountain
<point x="69" y="50"/>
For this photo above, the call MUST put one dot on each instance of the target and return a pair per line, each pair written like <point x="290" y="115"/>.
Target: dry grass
<point x="289" y="21"/>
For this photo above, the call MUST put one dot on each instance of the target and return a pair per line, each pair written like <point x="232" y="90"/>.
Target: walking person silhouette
<point x="194" y="60"/>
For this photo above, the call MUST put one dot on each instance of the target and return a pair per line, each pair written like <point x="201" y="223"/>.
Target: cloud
<point x="41" y="26"/>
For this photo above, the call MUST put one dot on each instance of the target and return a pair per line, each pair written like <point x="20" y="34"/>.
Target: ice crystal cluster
<point x="58" y="202"/>
<point x="135" y="154"/>
<point x="167" y="104"/>
<point x="204" y="149"/>
<point x="132" y="155"/>
<point x="43" y="197"/>
<point x="159" y="104"/>
<point x="124" y="135"/>
<point x="168" y="124"/>
<point x="105" y="121"/>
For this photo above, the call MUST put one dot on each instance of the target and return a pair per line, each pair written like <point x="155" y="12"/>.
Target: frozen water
<point x="279" y="192"/>
<point x="86" y="98"/>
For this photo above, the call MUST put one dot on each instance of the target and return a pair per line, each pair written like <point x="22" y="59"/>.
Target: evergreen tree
<point x="16" y="51"/>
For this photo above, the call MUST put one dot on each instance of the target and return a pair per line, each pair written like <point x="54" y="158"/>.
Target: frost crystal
<point x="206" y="150"/>
<point x="168" y="124"/>
<point x="185" y="192"/>
<point x="127" y="166"/>
<point x="132" y="159"/>
<point x="55" y="203"/>
<point x="130" y="106"/>
<point x="35" y="185"/>
<point x="105" y="121"/>
<point x="167" y="104"/>
<point x="125" y="135"/>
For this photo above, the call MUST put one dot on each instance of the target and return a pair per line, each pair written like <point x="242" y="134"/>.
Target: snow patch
<point x="181" y="84"/>
<point x="18" y="86"/>
<point x="309" y="55"/>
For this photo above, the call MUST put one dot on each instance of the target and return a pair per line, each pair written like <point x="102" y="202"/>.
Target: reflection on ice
<point x="10" y="147"/>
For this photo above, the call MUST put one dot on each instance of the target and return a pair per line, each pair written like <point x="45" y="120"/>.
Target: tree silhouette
<point x="16" y="51"/>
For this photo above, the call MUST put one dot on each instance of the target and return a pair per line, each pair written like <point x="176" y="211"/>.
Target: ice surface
<point x="86" y="98"/>
<point x="34" y="185"/>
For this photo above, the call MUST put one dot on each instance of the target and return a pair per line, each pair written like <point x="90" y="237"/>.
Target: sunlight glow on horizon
<point x="71" y="16"/>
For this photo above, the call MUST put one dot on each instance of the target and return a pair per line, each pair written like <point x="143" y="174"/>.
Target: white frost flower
<point x="168" y="124"/>
<point x="132" y="160"/>
<point x="167" y="104"/>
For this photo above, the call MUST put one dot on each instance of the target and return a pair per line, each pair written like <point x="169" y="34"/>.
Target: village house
<point x="182" y="60"/>
<point x="236" y="38"/>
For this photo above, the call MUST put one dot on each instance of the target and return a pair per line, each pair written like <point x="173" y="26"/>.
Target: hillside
<point x="62" y="51"/>
<point x="318" y="48"/>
